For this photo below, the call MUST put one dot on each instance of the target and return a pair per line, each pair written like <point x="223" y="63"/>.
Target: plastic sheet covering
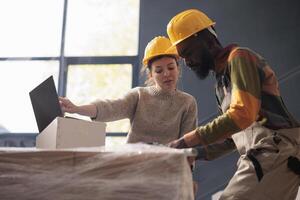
<point x="129" y="172"/>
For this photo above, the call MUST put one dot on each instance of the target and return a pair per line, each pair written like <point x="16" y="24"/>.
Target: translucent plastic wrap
<point x="130" y="172"/>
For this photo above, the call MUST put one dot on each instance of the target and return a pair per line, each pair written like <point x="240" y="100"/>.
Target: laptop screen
<point x="45" y="103"/>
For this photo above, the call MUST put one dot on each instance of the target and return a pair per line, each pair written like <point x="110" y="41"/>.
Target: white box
<point x="71" y="133"/>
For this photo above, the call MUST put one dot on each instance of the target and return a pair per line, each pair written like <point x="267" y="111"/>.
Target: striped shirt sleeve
<point x="245" y="98"/>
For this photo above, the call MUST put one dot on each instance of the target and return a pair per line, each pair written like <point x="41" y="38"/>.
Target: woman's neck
<point x="160" y="90"/>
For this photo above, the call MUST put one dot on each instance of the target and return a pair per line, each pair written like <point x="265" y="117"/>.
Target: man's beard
<point x="202" y="70"/>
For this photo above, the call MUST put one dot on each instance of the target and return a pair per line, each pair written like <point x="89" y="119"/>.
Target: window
<point x="90" y="82"/>
<point x="90" y="46"/>
<point x="17" y="79"/>
<point x="102" y="28"/>
<point x="30" y="28"/>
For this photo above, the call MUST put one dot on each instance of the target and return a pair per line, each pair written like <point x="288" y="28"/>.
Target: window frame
<point x="66" y="61"/>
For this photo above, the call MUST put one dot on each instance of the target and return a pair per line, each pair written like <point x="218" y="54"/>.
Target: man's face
<point x="196" y="56"/>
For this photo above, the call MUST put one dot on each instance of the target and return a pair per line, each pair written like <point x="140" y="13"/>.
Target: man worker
<point x="254" y="116"/>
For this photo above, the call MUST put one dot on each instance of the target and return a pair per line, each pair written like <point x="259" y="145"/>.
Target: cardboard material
<point x="71" y="133"/>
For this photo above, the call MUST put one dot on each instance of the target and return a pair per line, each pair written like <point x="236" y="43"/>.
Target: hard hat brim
<point x="187" y="36"/>
<point x="145" y="61"/>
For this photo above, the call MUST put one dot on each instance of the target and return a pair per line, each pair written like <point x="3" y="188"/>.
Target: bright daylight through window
<point x="32" y="49"/>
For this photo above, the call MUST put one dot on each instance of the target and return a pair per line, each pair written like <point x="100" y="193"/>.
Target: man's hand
<point x="178" y="144"/>
<point x="190" y="139"/>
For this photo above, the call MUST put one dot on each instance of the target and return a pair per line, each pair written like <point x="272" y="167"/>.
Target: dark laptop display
<point x="44" y="100"/>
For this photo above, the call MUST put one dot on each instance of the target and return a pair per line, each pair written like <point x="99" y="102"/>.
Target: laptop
<point x="45" y="103"/>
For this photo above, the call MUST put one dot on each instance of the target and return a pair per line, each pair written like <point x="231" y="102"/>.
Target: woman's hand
<point x="67" y="106"/>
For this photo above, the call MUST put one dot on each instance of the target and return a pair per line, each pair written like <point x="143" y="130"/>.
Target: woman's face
<point x="165" y="73"/>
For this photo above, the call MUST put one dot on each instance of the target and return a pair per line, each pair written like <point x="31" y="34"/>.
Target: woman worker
<point x="159" y="112"/>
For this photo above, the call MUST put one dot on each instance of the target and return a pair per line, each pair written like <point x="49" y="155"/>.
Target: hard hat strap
<point x="212" y="31"/>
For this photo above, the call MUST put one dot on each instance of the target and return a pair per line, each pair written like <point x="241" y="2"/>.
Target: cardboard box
<point x="71" y="133"/>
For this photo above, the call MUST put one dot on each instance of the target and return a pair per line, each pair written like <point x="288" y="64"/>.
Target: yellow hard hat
<point x="159" y="45"/>
<point x="186" y="24"/>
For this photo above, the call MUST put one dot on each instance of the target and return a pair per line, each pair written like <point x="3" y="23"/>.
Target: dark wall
<point x="270" y="28"/>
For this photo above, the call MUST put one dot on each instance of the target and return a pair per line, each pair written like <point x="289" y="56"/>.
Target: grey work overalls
<point x="262" y="171"/>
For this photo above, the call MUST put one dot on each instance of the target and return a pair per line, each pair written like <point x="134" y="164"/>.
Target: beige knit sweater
<point x="155" y="116"/>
